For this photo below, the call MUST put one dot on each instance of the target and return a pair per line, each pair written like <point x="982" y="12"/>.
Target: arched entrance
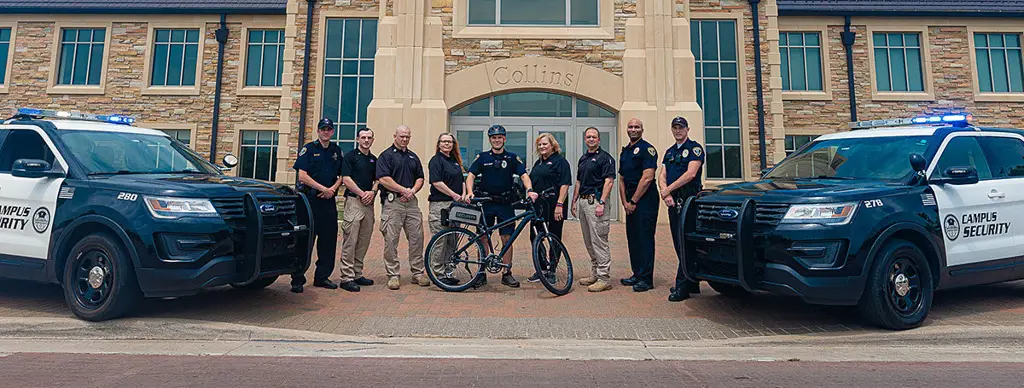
<point x="528" y="114"/>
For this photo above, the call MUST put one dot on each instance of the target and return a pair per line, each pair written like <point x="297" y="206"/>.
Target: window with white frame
<point x="534" y="12"/>
<point x="175" y="57"/>
<point x="794" y="142"/>
<point x="801" y="61"/>
<point x="81" y="56"/>
<point x="898" y="63"/>
<point x="259" y="155"/>
<point x="264" y="60"/>
<point x="999" y="63"/>
<point x="182" y="135"/>
<point x="5" y="47"/>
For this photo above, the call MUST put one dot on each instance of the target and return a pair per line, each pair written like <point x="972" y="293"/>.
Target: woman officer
<point x="551" y="170"/>
<point x="446" y="185"/>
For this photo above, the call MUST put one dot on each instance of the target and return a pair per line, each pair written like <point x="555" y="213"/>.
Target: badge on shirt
<point x="391" y="197"/>
<point x="504" y="164"/>
<point x="335" y="156"/>
<point x="686" y="153"/>
<point x="302" y="151"/>
<point x="636" y="151"/>
<point x="696" y="151"/>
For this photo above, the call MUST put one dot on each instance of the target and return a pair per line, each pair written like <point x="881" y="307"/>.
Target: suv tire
<point x="99" y="279"/>
<point x="259" y="284"/>
<point x="899" y="289"/>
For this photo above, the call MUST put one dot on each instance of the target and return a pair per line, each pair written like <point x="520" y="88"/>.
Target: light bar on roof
<point x="59" y="114"/>
<point x="958" y="118"/>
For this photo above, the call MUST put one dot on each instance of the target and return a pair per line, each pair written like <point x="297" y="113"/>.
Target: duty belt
<point x="591" y="198"/>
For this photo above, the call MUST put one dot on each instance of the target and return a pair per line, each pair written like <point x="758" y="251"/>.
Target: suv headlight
<point x="168" y="207"/>
<point x="828" y="214"/>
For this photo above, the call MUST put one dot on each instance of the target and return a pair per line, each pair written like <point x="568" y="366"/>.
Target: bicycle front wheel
<point x="552" y="262"/>
<point x="453" y="259"/>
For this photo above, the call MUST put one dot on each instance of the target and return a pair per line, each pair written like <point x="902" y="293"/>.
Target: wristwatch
<point x="600" y="201"/>
<point x="630" y="201"/>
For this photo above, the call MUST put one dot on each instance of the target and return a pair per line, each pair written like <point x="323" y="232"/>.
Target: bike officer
<point x="595" y="176"/>
<point x="637" y="164"/>
<point x="358" y="170"/>
<point x="400" y="172"/>
<point x="496" y="169"/>
<point x="319" y="166"/>
<point x="680" y="180"/>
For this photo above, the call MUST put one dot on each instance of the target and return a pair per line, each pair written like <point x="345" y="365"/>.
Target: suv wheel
<point x="729" y="289"/>
<point x="899" y="289"/>
<point x="259" y="284"/>
<point x="99" y="279"/>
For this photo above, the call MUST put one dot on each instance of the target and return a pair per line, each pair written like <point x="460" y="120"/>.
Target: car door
<point x="27" y="205"/>
<point x="1005" y="152"/>
<point x="975" y="218"/>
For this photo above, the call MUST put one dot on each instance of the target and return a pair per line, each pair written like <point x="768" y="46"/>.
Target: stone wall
<point x="125" y="77"/>
<point x="952" y="81"/>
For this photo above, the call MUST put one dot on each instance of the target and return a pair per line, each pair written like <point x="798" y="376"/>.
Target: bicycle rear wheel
<point x="452" y="262"/>
<point x="552" y="262"/>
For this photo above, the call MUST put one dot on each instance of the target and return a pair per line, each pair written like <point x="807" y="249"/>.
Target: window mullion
<point x="568" y="13"/>
<point x="497" y="12"/>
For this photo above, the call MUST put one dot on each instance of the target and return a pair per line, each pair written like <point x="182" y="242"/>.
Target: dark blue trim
<point x="24" y="268"/>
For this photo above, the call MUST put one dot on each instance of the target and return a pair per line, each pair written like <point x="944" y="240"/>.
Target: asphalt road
<point x="83" y="370"/>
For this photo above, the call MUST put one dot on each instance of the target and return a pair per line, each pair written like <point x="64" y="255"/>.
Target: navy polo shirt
<point x="677" y="160"/>
<point x="322" y="164"/>
<point x="447" y="170"/>
<point x="593" y="168"/>
<point x="496" y="171"/>
<point x="361" y="168"/>
<point x="404" y="167"/>
<point x="551" y="172"/>
<point x="634" y="159"/>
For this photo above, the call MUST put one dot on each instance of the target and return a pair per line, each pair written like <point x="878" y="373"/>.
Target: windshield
<point x="886" y="158"/>
<point x="132" y="153"/>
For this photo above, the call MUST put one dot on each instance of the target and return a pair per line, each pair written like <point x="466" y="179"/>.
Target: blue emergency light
<point x="59" y="114"/>
<point x="957" y="119"/>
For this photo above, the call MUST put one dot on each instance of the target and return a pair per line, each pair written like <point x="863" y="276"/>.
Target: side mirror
<point x="230" y="161"/>
<point x="918" y="163"/>
<point x="958" y="176"/>
<point x="34" y="168"/>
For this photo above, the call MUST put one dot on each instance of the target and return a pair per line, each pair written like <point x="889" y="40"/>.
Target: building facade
<point x="756" y="79"/>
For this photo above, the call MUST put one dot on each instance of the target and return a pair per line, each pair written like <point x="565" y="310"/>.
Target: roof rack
<point x="32" y="113"/>
<point x="956" y="120"/>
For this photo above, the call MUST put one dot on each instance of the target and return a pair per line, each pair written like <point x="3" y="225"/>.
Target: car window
<point x="23" y="144"/>
<point x="963" y="151"/>
<point x="1005" y="155"/>
<point x="3" y="134"/>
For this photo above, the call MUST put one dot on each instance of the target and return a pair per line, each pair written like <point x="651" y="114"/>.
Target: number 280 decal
<point x="127" y="196"/>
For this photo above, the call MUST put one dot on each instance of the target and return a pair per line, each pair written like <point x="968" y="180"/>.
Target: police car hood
<point x="806" y="190"/>
<point x="195" y="185"/>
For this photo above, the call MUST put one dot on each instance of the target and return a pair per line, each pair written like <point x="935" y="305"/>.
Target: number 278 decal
<point x="127" y="196"/>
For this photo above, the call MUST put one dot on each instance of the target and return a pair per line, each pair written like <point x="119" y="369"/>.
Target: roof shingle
<point x="143" y="6"/>
<point x="906" y="7"/>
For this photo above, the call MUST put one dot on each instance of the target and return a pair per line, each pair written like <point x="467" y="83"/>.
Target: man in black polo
<point x="358" y="171"/>
<point x="319" y="166"/>
<point x="400" y="172"/>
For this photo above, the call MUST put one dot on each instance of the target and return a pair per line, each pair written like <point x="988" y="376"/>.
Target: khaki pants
<point x="436" y="262"/>
<point x="357" y="229"/>
<point x="595" y="237"/>
<point x="394" y="218"/>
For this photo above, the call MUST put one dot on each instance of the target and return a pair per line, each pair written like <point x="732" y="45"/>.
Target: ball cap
<point x="679" y="120"/>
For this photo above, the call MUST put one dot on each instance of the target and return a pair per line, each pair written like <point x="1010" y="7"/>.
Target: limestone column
<point x="658" y="68"/>
<point x="285" y="174"/>
<point x="777" y="131"/>
<point x="408" y="82"/>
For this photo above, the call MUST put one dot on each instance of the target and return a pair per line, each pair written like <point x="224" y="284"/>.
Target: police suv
<point x="115" y="213"/>
<point x="880" y="217"/>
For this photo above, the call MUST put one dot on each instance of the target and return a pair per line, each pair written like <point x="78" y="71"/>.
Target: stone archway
<point x="548" y="74"/>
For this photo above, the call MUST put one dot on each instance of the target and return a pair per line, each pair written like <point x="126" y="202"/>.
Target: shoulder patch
<point x="519" y="160"/>
<point x="696" y="151"/>
<point x="651" y="151"/>
<point x="302" y="151"/>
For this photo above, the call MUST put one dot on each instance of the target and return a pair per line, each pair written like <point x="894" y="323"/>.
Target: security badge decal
<point x="41" y="220"/>
<point x="686" y="153"/>
<point x="974" y="225"/>
<point x="696" y="151"/>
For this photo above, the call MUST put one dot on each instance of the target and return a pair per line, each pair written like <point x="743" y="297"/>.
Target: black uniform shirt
<point x="402" y="166"/>
<point x="361" y="168"/>
<point x="593" y="168"/>
<point x="448" y="171"/>
<point x="677" y="160"/>
<point x="496" y="171"/>
<point x="551" y="172"/>
<point x="634" y="159"/>
<point x="322" y="164"/>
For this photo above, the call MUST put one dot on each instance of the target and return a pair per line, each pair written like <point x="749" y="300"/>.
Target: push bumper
<point x="732" y="258"/>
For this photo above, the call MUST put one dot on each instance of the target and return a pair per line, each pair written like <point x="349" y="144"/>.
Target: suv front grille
<point x="282" y="218"/>
<point x="766" y="216"/>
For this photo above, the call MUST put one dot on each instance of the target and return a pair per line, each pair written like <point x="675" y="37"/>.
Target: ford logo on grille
<point x="728" y="214"/>
<point x="268" y="208"/>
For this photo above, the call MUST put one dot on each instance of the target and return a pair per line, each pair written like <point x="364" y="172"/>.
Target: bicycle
<point x="550" y="258"/>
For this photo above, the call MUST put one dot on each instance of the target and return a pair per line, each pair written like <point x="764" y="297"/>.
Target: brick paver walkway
<point x="496" y="311"/>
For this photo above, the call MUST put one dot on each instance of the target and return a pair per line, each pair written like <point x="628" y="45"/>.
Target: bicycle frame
<point x="484" y="231"/>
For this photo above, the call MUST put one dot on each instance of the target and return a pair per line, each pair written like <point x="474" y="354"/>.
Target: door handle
<point x="996" y="194"/>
